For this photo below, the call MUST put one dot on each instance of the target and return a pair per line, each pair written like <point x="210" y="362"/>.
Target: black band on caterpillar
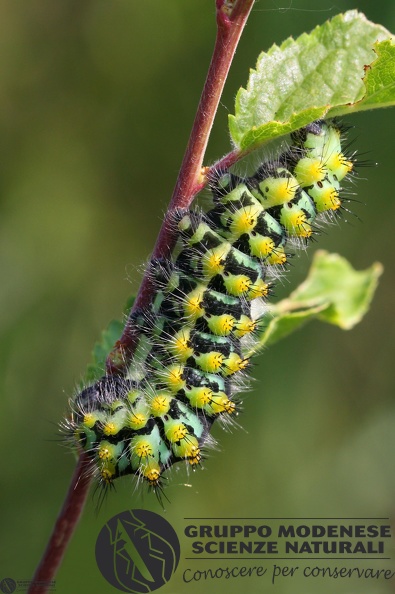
<point x="191" y="357"/>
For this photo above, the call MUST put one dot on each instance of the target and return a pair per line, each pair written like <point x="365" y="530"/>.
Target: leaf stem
<point x="231" y="18"/>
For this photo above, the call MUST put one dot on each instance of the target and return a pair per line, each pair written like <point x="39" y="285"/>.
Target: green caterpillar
<point x="191" y="363"/>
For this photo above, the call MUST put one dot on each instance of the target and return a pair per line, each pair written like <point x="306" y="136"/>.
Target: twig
<point x="64" y="527"/>
<point x="231" y="19"/>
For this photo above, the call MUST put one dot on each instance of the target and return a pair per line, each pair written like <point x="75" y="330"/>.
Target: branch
<point x="64" y="527"/>
<point x="231" y="19"/>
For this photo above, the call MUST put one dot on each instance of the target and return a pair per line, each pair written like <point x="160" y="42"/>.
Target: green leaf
<point x="103" y="348"/>
<point x="333" y="292"/>
<point x="318" y="74"/>
<point x="109" y="336"/>
<point x="379" y="79"/>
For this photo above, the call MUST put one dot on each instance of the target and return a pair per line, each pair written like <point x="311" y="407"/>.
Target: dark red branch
<point x="231" y="19"/>
<point x="64" y="527"/>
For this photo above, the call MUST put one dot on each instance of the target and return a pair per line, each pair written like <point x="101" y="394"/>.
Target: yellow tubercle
<point x="244" y="220"/>
<point x="151" y="472"/>
<point x="210" y="362"/>
<point x="172" y="377"/>
<point x="296" y="224"/>
<point x="260" y="246"/>
<point x="188" y="449"/>
<point x="278" y="257"/>
<point x="234" y="363"/>
<point x="104" y="452"/>
<point x="258" y="289"/>
<point x="277" y="190"/>
<point x="339" y="165"/>
<point x="179" y="345"/>
<point x="199" y="396"/>
<point x="176" y="432"/>
<point x="194" y="457"/>
<point x="244" y="326"/>
<point x="107" y="474"/>
<point x="237" y="285"/>
<point x="160" y="404"/>
<point x="222" y="404"/>
<point x="193" y="304"/>
<point x="309" y="170"/>
<point x="221" y="325"/>
<point x="213" y="262"/>
<point x="143" y="449"/>
<point x="89" y="420"/>
<point x="110" y="428"/>
<point x="137" y="420"/>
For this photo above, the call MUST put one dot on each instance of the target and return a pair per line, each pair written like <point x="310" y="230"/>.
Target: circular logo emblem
<point x="7" y="585"/>
<point x="137" y="551"/>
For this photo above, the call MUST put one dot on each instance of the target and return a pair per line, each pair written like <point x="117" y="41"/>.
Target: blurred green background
<point x="96" y="103"/>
